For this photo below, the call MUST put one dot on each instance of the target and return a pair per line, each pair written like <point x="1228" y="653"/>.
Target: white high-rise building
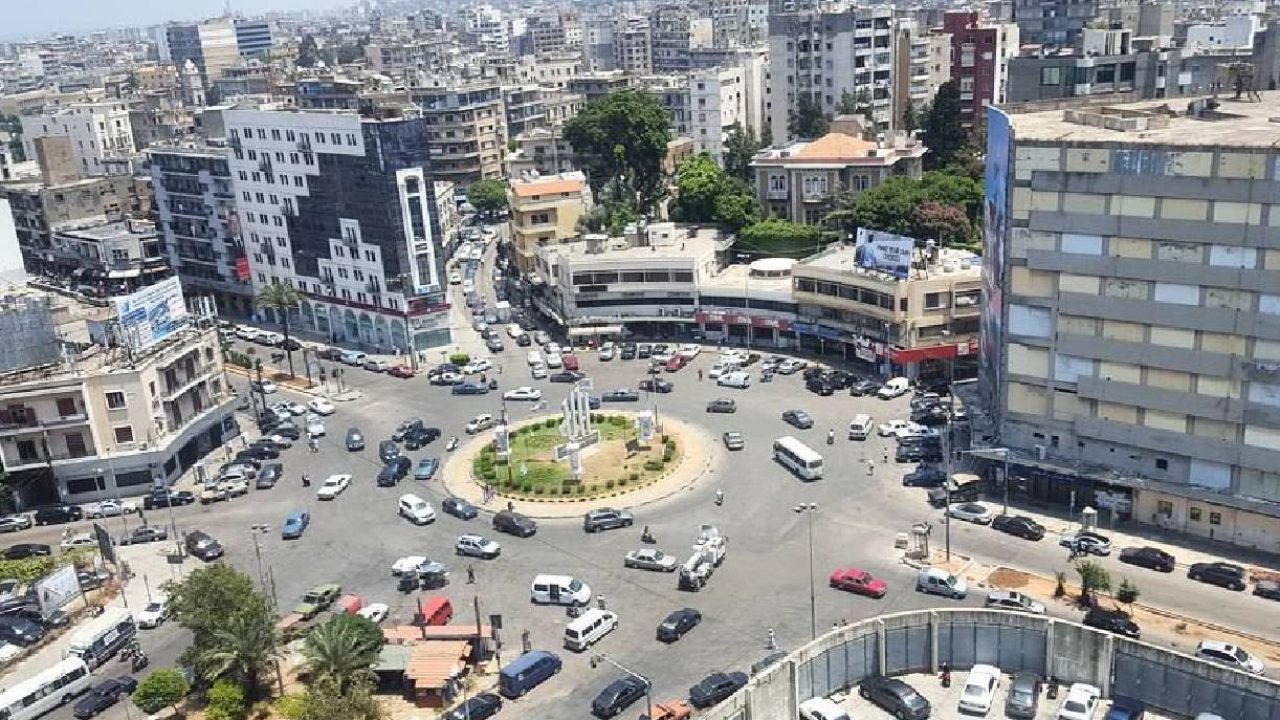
<point x="99" y="131"/>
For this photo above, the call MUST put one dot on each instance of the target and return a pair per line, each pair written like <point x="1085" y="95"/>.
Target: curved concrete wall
<point x="920" y="641"/>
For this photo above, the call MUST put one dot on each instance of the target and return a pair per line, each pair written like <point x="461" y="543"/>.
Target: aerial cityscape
<point x="720" y="360"/>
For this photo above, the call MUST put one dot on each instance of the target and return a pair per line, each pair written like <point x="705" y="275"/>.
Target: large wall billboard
<point x="885" y="252"/>
<point x="151" y="314"/>
<point x="995" y="236"/>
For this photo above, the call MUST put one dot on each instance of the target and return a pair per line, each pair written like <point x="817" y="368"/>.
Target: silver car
<point x="477" y="546"/>
<point x="650" y="559"/>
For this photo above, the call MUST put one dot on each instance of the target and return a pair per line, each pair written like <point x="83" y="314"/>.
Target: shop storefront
<point x="958" y="360"/>
<point x="738" y="328"/>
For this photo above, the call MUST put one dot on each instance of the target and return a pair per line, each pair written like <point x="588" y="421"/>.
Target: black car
<point x="679" y="622"/>
<point x="657" y="385"/>
<point x="459" y="508"/>
<point x="259" y="452"/>
<point x="513" y="523"/>
<point x="421" y="437"/>
<point x="168" y="498"/>
<point x="494" y="345"/>
<point x="355" y="439"/>
<point x="1269" y="589"/>
<point x="524" y="341"/>
<point x="895" y="697"/>
<point x="722" y="405"/>
<point x="819" y="386"/>
<point x="269" y="475"/>
<point x="618" y="696"/>
<point x="1023" y="700"/>
<point x="20" y="630"/>
<point x="606" y="519"/>
<point x="926" y="477"/>
<point x="480" y="707"/>
<point x="916" y="453"/>
<point x="144" y="534"/>
<point x="470" y="389"/>
<point x="387" y="450"/>
<point x="203" y="546"/>
<point x="394" y="471"/>
<point x="1221" y="574"/>
<point x="624" y="395"/>
<point x="798" y="418"/>
<point x="566" y="376"/>
<point x="863" y="387"/>
<point x="643" y="351"/>
<point x="26" y="550"/>
<point x="628" y="351"/>
<point x="287" y="430"/>
<point x="1148" y="557"/>
<point x="104" y="695"/>
<point x="715" y="687"/>
<point x="405" y="427"/>
<point x="1019" y="525"/>
<point x="767" y="662"/>
<point x="1113" y="621"/>
<point x="58" y="514"/>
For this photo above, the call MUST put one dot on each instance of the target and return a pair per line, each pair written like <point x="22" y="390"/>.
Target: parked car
<point x="715" y="687"/>
<point x="658" y="385"/>
<point x="478" y="707"/>
<point x="154" y="614"/>
<point x="650" y="559"/>
<point x="797" y="418"/>
<point x="13" y="523"/>
<point x="168" y="498"/>
<point x="1013" y="600"/>
<point x="1081" y="702"/>
<point x="111" y="508"/>
<point x="1023" y="700"/>
<point x="400" y="371"/>
<point x="333" y="486"/>
<point x="26" y="550"/>
<point x="57" y="514"/>
<point x="317" y="599"/>
<point x="270" y="474"/>
<point x="926" y="477"/>
<point x="976" y="513"/>
<point x="144" y="534"/>
<point x="295" y="524"/>
<point x="470" y="389"/>
<point x="979" y="692"/>
<point x="895" y="697"/>
<point x="567" y="376"/>
<point x="514" y="523"/>
<point x="1113" y="621"/>
<point x="1222" y="574"/>
<point x="103" y="695"/>
<point x="1089" y="543"/>
<point x="1019" y="525"/>
<point x="859" y="582"/>
<point x="523" y="393"/>
<point x="426" y="469"/>
<point x="1148" y="557"/>
<point x="619" y="694"/>
<point x="477" y="546"/>
<point x="621" y="395"/>
<point x="1126" y="708"/>
<point x="1269" y="589"/>
<point x="1232" y="656"/>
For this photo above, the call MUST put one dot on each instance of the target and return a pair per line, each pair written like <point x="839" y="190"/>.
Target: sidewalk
<point x="700" y="457"/>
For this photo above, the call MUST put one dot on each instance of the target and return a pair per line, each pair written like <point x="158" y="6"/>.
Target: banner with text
<point x="885" y="252"/>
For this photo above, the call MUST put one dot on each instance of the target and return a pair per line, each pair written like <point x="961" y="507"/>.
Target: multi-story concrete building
<point x="598" y="51"/>
<point x="669" y="38"/>
<point x="342" y="208"/>
<point x="922" y="63"/>
<point x="125" y="255"/>
<point x="719" y="99"/>
<point x="796" y="181"/>
<point x="1053" y="22"/>
<point x="210" y="45"/>
<point x="541" y="150"/>
<point x="632" y="46"/>
<point x="104" y="422"/>
<point x="1130" y="337"/>
<point x="828" y="51"/>
<point x="98" y="131"/>
<point x="253" y="37"/>
<point x="197" y="217"/>
<point x="550" y="70"/>
<point x="980" y="52"/>
<point x="38" y="208"/>
<point x="545" y="211"/>
<point x="524" y="108"/>
<point x="466" y="127"/>
<point x="595" y="85"/>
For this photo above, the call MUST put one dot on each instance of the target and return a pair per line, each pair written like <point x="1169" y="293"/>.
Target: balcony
<point x="776" y="194"/>
<point x="25" y="420"/>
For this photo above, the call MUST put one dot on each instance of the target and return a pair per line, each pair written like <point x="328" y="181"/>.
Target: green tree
<point x="488" y="196"/>
<point x="944" y="135"/>
<point x="161" y="689"/>
<point x="942" y="222"/>
<point x="940" y="206"/>
<point x="858" y="103"/>
<point x="1093" y="578"/>
<point x="910" y="120"/>
<point x="325" y="700"/>
<point x="308" y="52"/>
<point x="698" y="184"/>
<point x="1127" y="593"/>
<point x="740" y="148"/>
<point x="806" y="120"/>
<point x="342" y="650"/>
<point x="226" y="701"/>
<point x="241" y="651"/>
<point x="623" y="137"/>
<point x="281" y="298"/>
<point x="231" y="623"/>
<point x="775" y="237"/>
<point x="739" y="209"/>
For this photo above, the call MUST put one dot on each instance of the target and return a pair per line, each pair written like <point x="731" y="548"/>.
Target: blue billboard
<point x="151" y="314"/>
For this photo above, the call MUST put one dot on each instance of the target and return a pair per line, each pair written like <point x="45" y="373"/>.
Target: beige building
<point x="795" y="181"/>
<point x="105" y="422"/>
<point x="467" y="136"/>
<point x="541" y="150"/>
<point x="924" y="323"/>
<point x="545" y="211"/>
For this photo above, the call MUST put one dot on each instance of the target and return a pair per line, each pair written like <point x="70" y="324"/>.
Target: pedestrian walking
<point x="871" y="468"/>
<point x="524" y="641"/>
<point x="511" y="507"/>
<point x="471" y="575"/>
<point x="886" y="456"/>
<point x="773" y="640"/>
<point x="699" y="374"/>
<point x="600" y="601"/>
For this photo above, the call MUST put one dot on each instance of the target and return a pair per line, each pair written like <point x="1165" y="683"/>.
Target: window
<point x="1194" y="514"/>
<point x="1164" y="507"/>
<point x="1051" y="76"/>
<point x="1215" y="518"/>
<point x="124" y="434"/>
<point x="115" y="400"/>
<point x="1162" y="464"/>
<point x="75" y="445"/>
<point x="67" y="407"/>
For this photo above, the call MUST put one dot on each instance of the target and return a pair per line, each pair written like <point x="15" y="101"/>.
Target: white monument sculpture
<point x="644" y="423"/>
<point x="576" y="427"/>
<point x="502" y="440"/>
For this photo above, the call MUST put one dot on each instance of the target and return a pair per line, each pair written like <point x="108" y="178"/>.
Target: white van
<point x="588" y="628"/>
<point x="861" y="427"/>
<point x="937" y="581"/>
<point x="535" y="358"/>
<point x="739" y="380"/>
<point x="416" y="510"/>
<point x="559" y="590"/>
<point x="820" y="708"/>
<point x="607" y="351"/>
<point x="895" y="387"/>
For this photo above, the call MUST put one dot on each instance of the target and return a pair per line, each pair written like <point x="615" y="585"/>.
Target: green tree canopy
<point x="807" y="120"/>
<point x="937" y="205"/>
<point x="342" y="649"/>
<point x="775" y="237"/>
<point x="740" y="148"/>
<point x="226" y="701"/>
<point x="488" y="196"/>
<point x="858" y="103"/>
<point x="161" y="689"/>
<point x="1093" y="578"/>
<point x="232" y="626"/>
<point x="325" y="700"/>
<point x="1127" y="593"/>
<point x="944" y="134"/>
<point x="240" y="651"/>
<point x="308" y="52"/>
<point x="282" y="298"/>
<point x="707" y="194"/>
<point x="623" y="137"/>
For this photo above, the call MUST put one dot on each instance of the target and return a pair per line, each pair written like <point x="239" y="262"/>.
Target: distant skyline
<point x="38" y="19"/>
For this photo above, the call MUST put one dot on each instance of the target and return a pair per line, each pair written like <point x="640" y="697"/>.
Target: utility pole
<point x="648" y="686"/>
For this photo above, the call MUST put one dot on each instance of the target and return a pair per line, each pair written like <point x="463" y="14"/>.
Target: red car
<point x="401" y="371"/>
<point x="676" y="362"/>
<point x="858" y="581"/>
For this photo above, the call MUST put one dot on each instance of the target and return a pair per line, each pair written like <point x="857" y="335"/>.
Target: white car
<point x="477" y="546"/>
<point x="291" y="407"/>
<point x="788" y="367"/>
<point x="979" y="689"/>
<point x="1232" y="656"/>
<point x="522" y="393"/>
<point x="722" y="368"/>
<point x="333" y="486"/>
<point x="477" y="366"/>
<point x="538" y="371"/>
<point x="689" y="350"/>
<point x="541" y="337"/>
<point x="479" y="423"/>
<point x="553" y="348"/>
<point x="917" y="430"/>
<point x="449" y="378"/>
<point x="892" y="428"/>
<point x="154" y="614"/>
<point x="650" y="559"/>
<point x="554" y="360"/>
<point x="1089" y="543"/>
<point x="111" y="508"/>
<point x="80" y="540"/>
<point x="1081" y="702"/>
<point x="821" y="708"/>
<point x="455" y="278"/>
<point x="266" y="387"/>
<point x="514" y="331"/>
<point x="740" y="380"/>
<point x="1015" y="601"/>
<point x="315" y="427"/>
<point x="246" y="333"/>
<point x="320" y="406"/>
<point x="408" y="563"/>
<point x="971" y="512"/>
<point x="607" y="351"/>
<point x="376" y="612"/>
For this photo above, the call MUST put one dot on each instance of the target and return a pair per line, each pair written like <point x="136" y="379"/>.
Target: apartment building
<point x="980" y="52"/>
<point x="719" y="99"/>
<point x="253" y="37"/>
<point x="826" y="52"/>
<point x="545" y="211"/>
<point x="598" y="51"/>
<point x="796" y="181"/>
<point x="922" y="63"/>
<point x="196" y="213"/>
<point x="1053" y="22"/>
<point x="466" y="127"/>
<point x="124" y="255"/>
<point x="99" y="132"/>
<point x="39" y="208"/>
<point x="342" y="207"/>
<point x="107" y="421"/>
<point x="670" y="37"/>
<point x="210" y="45"/>
<point x="632" y="46"/>
<point x="593" y="86"/>
<point x="543" y="151"/>
<point x="524" y="108"/>
<point x="1130" y="319"/>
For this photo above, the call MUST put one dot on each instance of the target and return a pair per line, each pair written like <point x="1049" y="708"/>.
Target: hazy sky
<point x="19" y="18"/>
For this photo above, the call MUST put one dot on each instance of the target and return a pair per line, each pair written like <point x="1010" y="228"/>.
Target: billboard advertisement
<point x="995" y="236"/>
<point x="885" y="252"/>
<point x="56" y="589"/>
<point x="151" y="314"/>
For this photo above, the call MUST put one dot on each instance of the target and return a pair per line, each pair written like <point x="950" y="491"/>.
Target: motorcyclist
<point x="306" y="480"/>
<point x="719" y="497"/>
<point x="831" y="436"/>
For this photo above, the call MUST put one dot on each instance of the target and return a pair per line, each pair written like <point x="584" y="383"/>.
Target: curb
<point x="345" y="396"/>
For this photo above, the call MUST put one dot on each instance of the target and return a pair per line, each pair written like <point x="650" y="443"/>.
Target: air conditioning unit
<point x="1042" y="452"/>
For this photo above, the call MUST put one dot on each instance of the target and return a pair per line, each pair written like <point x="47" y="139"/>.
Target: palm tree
<point x="240" y="651"/>
<point x="281" y="298"/>
<point x="337" y="651"/>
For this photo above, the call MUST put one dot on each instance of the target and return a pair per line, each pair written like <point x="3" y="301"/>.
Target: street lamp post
<point x="254" y="531"/>
<point x="810" y="509"/>
<point x="648" y="686"/>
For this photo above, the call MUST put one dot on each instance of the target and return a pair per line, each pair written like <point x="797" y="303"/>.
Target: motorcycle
<point x="452" y="444"/>
<point x="140" y="661"/>
<point x="306" y="480"/>
<point x="831" y="437"/>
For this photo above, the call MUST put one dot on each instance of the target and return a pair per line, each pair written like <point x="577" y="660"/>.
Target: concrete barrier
<point x="921" y="641"/>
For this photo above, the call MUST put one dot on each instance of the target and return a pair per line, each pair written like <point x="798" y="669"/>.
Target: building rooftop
<point x="734" y="280"/>
<point x="959" y="264"/>
<point x="108" y="231"/>
<point x="549" y="185"/>
<point x="1233" y="123"/>
<point x="667" y="241"/>
<point x="839" y="149"/>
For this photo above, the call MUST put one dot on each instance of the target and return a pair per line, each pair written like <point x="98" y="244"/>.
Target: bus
<point x="798" y="457"/>
<point x="103" y="636"/>
<point x="49" y="689"/>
